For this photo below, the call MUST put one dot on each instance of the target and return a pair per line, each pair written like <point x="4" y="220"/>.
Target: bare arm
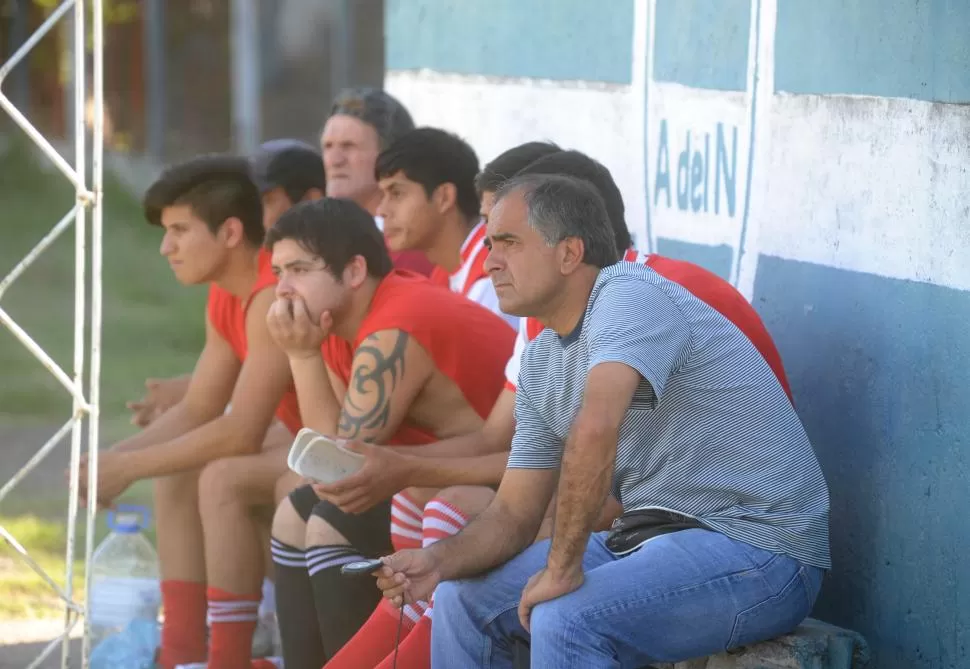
<point x="210" y="388"/>
<point x="319" y="405"/>
<point x="476" y="458"/>
<point x="390" y="369"/>
<point x="256" y="389"/>
<point x="495" y="436"/>
<point x="588" y="460"/>
<point x="503" y="530"/>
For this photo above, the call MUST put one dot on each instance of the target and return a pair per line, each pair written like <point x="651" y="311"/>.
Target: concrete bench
<point x="812" y="645"/>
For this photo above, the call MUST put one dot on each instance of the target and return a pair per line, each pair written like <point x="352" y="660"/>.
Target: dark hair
<point x="432" y="157"/>
<point x="506" y="165"/>
<point x="378" y="109"/>
<point x="560" y="207"/>
<point x="579" y="165"/>
<point x="290" y="164"/>
<point x="335" y="230"/>
<point x="216" y="187"/>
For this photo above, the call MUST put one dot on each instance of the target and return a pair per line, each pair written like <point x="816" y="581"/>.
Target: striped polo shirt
<point x="709" y="433"/>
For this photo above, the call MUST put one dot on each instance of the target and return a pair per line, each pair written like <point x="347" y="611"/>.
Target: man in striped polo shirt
<point x="429" y="204"/>
<point x="638" y="387"/>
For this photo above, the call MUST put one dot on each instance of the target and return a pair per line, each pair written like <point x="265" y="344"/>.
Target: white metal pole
<point x="94" y="391"/>
<point x="80" y="311"/>
<point x="246" y="75"/>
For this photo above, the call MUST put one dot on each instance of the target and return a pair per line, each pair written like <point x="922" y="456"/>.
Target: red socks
<point x="415" y="650"/>
<point x="232" y="621"/>
<point x="373" y="646"/>
<point x="375" y="639"/>
<point x="183" y="633"/>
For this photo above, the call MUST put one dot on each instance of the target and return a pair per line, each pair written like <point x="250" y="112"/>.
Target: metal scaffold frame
<point x="86" y="405"/>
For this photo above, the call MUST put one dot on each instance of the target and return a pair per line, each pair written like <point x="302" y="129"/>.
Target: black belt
<point x="633" y="528"/>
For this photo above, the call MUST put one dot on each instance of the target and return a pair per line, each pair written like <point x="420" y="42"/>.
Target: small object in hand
<point x="361" y="567"/>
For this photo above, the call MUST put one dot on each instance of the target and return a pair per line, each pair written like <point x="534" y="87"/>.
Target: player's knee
<point x="288" y="526"/>
<point x="470" y="500"/>
<point x="321" y="533"/>
<point x="218" y="483"/>
<point x="286" y="484"/>
<point x="176" y="489"/>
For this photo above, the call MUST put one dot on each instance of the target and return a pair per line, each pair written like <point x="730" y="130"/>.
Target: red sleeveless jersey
<point x="467" y="343"/>
<point x="228" y="316"/>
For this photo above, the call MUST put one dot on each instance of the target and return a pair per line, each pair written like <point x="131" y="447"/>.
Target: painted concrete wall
<point x="815" y="154"/>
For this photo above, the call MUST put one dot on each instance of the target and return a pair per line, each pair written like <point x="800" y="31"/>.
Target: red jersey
<point x="705" y="286"/>
<point x="228" y="316"/>
<point x="468" y="344"/>
<point x="413" y="261"/>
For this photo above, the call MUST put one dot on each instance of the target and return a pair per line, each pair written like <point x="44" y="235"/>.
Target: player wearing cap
<point x="209" y="464"/>
<point x="429" y="203"/>
<point x="405" y="362"/>
<point x="362" y="123"/>
<point x="286" y="171"/>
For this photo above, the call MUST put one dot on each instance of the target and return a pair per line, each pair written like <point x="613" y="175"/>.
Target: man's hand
<point x="160" y="396"/>
<point x="408" y="576"/>
<point x="544" y="586"/>
<point x="113" y="478"/>
<point x="292" y="329"/>
<point x="384" y="474"/>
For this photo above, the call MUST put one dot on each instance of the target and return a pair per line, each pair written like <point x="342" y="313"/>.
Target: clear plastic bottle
<point x="124" y="575"/>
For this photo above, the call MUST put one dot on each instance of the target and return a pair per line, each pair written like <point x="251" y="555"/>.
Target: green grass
<point x="43" y="532"/>
<point x="152" y="327"/>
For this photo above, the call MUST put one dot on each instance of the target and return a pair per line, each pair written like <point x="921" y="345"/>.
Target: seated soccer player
<point x="404" y="362"/>
<point x="639" y="387"/>
<point x="212" y="466"/>
<point x="429" y="203"/>
<point x="286" y="171"/>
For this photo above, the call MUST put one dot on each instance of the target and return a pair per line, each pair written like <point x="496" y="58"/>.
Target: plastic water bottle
<point x="124" y="576"/>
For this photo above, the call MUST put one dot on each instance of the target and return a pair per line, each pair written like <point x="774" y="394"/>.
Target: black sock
<point x="343" y="603"/>
<point x="296" y="612"/>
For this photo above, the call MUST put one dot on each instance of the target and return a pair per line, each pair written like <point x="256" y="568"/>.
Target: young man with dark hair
<point x="429" y="203"/>
<point x="404" y="362"/>
<point x="639" y="387"/>
<point x="362" y="123"/>
<point x="505" y="166"/>
<point x="286" y="171"/>
<point x="211" y="464"/>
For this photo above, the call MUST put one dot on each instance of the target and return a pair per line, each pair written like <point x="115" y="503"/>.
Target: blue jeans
<point x="681" y="595"/>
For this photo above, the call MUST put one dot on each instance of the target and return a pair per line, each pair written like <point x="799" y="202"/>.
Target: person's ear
<point x="444" y="197"/>
<point x="572" y="250"/>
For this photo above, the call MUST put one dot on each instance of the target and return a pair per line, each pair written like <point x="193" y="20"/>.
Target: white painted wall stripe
<point x="859" y="183"/>
<point x="761" y="84"/>
<point x="494" y="114"/>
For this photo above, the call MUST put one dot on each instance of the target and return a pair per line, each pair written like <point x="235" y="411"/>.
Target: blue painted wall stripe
<point x="888" y="48"/>
<point x="702" y="44"/>
<point x="878" y="371"/>
<point x="716" y="259"/>
<point x="546" y="39"/>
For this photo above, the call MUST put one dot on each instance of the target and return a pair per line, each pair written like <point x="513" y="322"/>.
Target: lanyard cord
<point x="400" y="624"/>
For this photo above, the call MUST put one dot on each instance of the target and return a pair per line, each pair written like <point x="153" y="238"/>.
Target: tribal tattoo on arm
<point x="376" y="374"/>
